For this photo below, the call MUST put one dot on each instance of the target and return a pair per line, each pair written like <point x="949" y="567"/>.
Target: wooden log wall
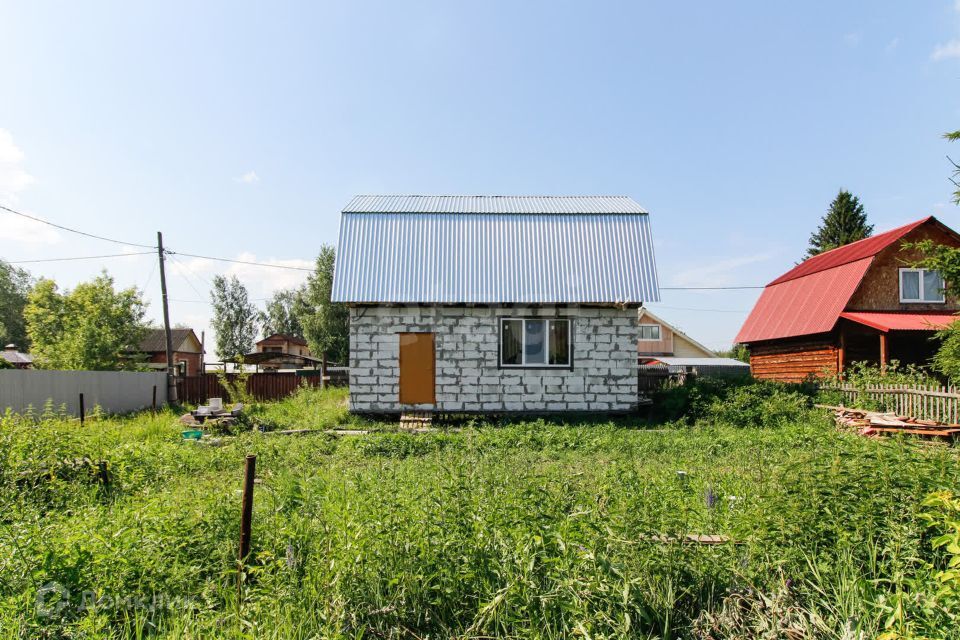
<point x="794" y="362"/>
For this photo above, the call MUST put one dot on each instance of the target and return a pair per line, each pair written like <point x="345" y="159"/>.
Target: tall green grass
<point x="527" y="529"/>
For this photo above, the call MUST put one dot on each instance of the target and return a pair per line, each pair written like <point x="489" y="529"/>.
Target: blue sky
<point x="241" y="129"/>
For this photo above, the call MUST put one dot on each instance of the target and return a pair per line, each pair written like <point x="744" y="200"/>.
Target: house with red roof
<point x="862" y="302"/>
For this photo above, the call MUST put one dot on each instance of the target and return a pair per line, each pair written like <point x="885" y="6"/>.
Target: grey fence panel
<point x="112" y="391"/>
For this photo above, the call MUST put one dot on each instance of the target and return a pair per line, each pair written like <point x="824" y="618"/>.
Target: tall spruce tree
<point x="844" y="222"/>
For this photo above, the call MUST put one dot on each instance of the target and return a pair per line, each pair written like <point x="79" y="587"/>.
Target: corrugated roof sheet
<point x="803" y="306"/>
<point x="495" y="258"/>
<point x="850" y="252"/>
<point x="493" y="204"/>
<point x="929" y="321"/>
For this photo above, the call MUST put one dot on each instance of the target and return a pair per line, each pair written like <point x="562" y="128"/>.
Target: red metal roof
<point x="902" y="321"/>
<point x="868" y="247"/>
<point x="803" y="306"/>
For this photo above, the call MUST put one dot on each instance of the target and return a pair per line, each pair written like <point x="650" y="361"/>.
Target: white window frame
<point x="546" y="344"/>
<point x="659" y="333"/>
<point x="921" y="299"/>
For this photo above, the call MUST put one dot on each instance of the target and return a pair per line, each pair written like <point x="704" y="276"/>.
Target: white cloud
<point x="892" y="45"/>
<point x="852" y="39"/>
<point x="13" y="180"/>
<point x="718" y="273"/>
<point x="250" y="177"/>
<point x="946" y="51"/>
<point x="13" y="177"/>
<point x="260" y="281"/>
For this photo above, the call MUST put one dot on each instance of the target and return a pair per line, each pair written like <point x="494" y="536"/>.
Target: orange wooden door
<point x="417" y="369"/>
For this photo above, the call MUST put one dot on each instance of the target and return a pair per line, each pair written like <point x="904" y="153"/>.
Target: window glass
<point x="932" y="286"/>
<point x="909" y="285"/>
<point x="649" y="332"/>
<point x="534" y="350"/>
<point x="511" y="341"/>
<point x="559" y="342"/>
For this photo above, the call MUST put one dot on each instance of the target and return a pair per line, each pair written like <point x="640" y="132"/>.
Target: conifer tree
<point x="844" y="222"/>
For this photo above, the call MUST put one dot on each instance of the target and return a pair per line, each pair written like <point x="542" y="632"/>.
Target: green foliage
<point x="14" y="288"/>
<point x="844" y="222"/>
<point x="742" y="402"/>
<point x="279" y="316"/>
<point x="737" y="352"/>
<point x="326" y="324"/>
<point x="953" y="136"/>
<point x="529" y="529"/>
<point x="947" y="358"/>
<point x="234" y="317"/>
<point x="93" y="327"/>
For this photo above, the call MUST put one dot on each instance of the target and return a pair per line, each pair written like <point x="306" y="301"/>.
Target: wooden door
<point x="417" y="368"/>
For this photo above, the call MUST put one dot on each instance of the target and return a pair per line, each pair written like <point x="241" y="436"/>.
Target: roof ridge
<point x="850" y="247"/>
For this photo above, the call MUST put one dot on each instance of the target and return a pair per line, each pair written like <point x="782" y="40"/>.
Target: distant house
<point x="18" y="359"/>
<point x="494" y="303"/>
<point x="281" y="351"/>
<point x="861" y="302"/>
<point x="659" y="338"/>
<point x="283" y="343"/>
<point x="187" y="350"/>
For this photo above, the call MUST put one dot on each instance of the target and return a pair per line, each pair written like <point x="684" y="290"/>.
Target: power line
<point x="77" y="231"/>
<point x="708" y="288"/>
<point x="108" y="255"/>
<point x="256" y="264"/>
<point x="663" y="306"/>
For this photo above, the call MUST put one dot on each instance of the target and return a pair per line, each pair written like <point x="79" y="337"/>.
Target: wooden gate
<point x="417" y="368"/>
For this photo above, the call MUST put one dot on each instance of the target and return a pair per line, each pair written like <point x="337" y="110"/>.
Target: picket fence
<point x="929" y="402"/>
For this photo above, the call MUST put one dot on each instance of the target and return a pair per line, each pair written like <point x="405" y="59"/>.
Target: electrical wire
<point x="709" y="288"/>
<point x="77" y="231"/>
<point x="256" y="264"/>
<point x="107" y="255"/>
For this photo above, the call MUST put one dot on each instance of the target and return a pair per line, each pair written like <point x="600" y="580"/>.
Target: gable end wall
<point x="468" y="379"/>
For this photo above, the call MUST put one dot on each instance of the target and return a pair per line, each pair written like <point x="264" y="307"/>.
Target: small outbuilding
<point x="494" y="303"/>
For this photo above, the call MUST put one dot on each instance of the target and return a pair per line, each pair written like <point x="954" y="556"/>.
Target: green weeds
<point x="532" y="529"/>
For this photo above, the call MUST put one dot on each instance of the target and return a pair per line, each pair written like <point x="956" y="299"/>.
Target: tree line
<point x="96" y="326"/>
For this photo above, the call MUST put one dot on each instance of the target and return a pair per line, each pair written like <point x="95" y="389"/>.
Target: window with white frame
<point x="650" y="332"/>
<point x="535" y="342"/>
<point x="920" y="285"/>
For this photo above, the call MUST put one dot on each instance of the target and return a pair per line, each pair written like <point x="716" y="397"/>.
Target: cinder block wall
<point x="603" y="378"/>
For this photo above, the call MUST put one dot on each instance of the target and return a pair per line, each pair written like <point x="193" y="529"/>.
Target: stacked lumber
<point x="876" y="423"/>
<point x="416" y="420"/>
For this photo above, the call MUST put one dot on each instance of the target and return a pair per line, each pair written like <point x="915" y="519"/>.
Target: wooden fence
<point x="929" y="402"/>
<point x="262" y="386"/>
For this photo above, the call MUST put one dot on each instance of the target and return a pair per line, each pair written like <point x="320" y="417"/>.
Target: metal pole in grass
<point x="82" y="416"/>
<point x="154" y="404"/>
<point x="246" y="518"/>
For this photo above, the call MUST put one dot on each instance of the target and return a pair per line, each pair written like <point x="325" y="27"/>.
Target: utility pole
<point x="171" y="379"/>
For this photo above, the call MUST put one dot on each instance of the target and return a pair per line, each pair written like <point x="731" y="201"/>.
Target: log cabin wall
<point x="880" y="288"/>
<point x="794" y="360"/>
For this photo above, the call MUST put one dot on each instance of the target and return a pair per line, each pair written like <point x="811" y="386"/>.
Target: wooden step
<point x="416" y="419"/>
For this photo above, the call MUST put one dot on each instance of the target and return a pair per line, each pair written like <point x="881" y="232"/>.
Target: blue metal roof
<point x="493" y="204"/>
<point x="536" y="258"/>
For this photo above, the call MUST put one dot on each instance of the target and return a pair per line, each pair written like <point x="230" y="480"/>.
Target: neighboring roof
<point x="646" y="313"/>
<point x="11" y="355"/>
<point x="866" y="248"/>
<point x="274" y="357"/>
<point x="803" y="306"/>
<point x="450" y="258"/>
<point x="701" y="362"/>
<point x="931" y="321"/>
<point x="493" y="204"/>
<point x="809" y="298"/>
<point x="155" y="340"/>
<point x="285" y="336"/>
